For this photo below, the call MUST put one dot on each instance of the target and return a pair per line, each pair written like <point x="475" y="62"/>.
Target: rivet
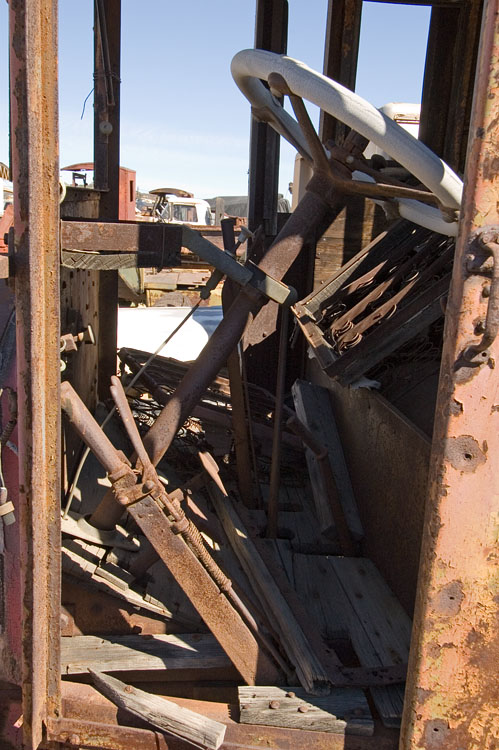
<point x="274" y="704"/>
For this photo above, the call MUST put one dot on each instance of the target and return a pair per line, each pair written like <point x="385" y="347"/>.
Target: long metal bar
<point x="205" y="594"/>
<point x="35" y="171"/>
<point x="452" y="695"/>
<point x="271" y="32"/>
<point x="275" y="469"/>
<point x="309" y="214"/>
<point x="107" y="67"/>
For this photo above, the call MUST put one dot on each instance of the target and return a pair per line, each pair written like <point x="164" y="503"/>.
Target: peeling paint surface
<point x="452" y="695"/>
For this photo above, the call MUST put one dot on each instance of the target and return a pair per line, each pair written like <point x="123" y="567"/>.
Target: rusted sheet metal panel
<point x="83" y="706"/>
<point x="76" y="733"/>
<point x="452" y="698"/>
<point x="33" y="80"/>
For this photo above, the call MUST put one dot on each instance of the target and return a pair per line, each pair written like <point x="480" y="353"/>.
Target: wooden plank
<point x="81" y="560"/>
<point x="334" y="601"/>
<point x="314" y="409"/>
<point x="344" y="711"/>
<point x="311" y="673"/>
<point x="127" y="653"/>
<point x="379" y="628"/>
<point x="326" y="600"/>
<point x="163" y="714"/>
<point x="154" y="240"/>
<point x="377" y="608"/>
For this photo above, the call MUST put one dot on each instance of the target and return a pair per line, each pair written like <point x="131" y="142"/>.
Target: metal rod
<point x="130" y="385"/>
<point x="309" y="214"/>
<point x="275" y="470"/>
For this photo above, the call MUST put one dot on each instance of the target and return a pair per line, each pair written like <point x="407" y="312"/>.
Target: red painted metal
<point x="35" y="171"/>
<point x="452" y="696"/>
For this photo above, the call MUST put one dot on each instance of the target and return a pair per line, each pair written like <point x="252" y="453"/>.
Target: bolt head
<point x="303" y="709"/>
<point x="274" y="705"/>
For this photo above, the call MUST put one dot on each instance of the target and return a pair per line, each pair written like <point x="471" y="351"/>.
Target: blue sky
<point x="184" y="122"/>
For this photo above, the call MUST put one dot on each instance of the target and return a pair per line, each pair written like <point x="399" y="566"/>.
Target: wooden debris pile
<point x="323" y="626"/>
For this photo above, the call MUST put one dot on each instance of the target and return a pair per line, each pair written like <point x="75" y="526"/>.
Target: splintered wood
<point x="161" y="713"/>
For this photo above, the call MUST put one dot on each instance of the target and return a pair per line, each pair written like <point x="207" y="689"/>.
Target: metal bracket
<point x="249" y="274"/>
<point x="484" y="244"/>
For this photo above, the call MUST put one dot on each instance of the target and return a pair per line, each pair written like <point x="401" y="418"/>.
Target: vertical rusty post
<point x="107" y="66"/>
<point x="453" y="690"/>
<point x="271" y="33"/>
<point x="35" y="171"/>
<point x="341" y="51"/>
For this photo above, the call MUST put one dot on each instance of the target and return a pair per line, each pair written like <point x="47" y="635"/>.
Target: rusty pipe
<point x="310" y="214"/>
<point x="94" y="437"/>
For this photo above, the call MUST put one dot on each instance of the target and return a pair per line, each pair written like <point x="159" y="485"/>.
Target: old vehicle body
<point x="180" y="207"/>
<point x="421" y="457"/>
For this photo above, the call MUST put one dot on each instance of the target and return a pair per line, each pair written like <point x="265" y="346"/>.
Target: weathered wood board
<point x="344" y="711"/>
<point x="314" y="409"/>
<point x="130" y="653"/>
<point x="161" y="713"/>
<point x="348" y="595"/>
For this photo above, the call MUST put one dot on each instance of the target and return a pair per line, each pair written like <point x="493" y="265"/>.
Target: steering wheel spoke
<point x="287" y="76"/>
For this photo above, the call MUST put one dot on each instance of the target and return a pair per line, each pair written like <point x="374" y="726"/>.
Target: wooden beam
<point x="314" y="409"/>
<point x="341" y="51"/>
<point x="97" y="242"/>
<point x="311" y="673"/>
<point x="131" y="653"/>
<point x="161" y="713"/>
<point x="344" y="711"/>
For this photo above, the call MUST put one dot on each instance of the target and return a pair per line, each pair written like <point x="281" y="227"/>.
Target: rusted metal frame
<point x="79" y="733"/>
<point x="238" y="737"/>
<point x="386" y="338"/>
<point x="209" y="592"/>
<point x="341" y="49"/>
<point x="448" y="80"/>
<point x="452" y="692"/>
<point x="35" y="172"/>
<point x="107" y="44"/>
<point x="271" y="31"/>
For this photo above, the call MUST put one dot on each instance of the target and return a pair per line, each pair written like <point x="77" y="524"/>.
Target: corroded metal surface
<point x="33" y="82"/>
<point x="309" y="214"/>
<point x="201" y="580"/>
<point x="452" y="697"/>
<point x="83" y="706"/>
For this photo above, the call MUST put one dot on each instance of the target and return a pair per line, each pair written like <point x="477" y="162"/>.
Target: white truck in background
<point x="175" y="206"/>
